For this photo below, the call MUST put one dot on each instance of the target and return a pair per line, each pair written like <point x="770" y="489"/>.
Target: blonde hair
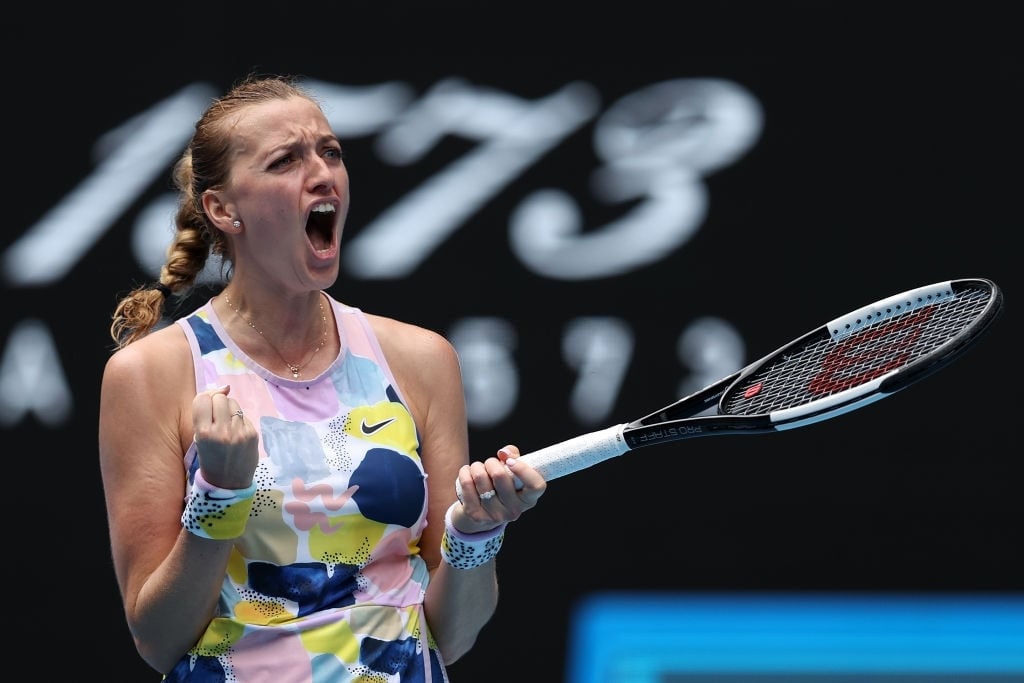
<point x="204" y="165"/>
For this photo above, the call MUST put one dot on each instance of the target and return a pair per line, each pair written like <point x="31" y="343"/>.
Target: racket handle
<point x="572" y="455"/>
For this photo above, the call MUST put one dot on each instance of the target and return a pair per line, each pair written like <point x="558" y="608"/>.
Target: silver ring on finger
<point x="238" y="413"/>
<point x="487" y="495"/>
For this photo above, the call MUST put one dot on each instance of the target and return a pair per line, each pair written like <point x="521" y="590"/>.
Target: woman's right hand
<point x="227" y="442"/>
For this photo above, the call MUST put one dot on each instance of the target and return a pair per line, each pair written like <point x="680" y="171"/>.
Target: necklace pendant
<point x="294" y="369"/>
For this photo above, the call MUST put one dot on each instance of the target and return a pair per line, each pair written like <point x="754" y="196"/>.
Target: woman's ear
<point x="220" y="214"/>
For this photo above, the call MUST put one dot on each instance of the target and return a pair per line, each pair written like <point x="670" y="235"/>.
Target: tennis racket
<point x="846" y="364"/>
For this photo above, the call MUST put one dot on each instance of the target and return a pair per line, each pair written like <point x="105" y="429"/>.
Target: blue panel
<point x="672" y="638"/>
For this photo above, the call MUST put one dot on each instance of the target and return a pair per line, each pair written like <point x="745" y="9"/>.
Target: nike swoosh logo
<point x="370" y="429"/>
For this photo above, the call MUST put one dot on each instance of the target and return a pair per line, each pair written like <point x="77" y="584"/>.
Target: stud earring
<point x="237" y="223"/>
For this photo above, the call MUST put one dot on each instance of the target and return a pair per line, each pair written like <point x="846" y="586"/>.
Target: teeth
<point x="323" y="208"/>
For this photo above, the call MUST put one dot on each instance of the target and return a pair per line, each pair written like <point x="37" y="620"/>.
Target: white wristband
<point x="465" y="551"/>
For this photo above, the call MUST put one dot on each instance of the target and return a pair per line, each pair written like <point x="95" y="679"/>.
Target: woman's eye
<point x="333" y="153"/>
<point x="280" y="162"/>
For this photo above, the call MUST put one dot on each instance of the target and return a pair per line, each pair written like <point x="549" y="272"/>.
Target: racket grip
<point x="572" y="455"/>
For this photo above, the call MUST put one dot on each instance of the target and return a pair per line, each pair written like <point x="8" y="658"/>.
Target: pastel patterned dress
<point x="326" y="584"/>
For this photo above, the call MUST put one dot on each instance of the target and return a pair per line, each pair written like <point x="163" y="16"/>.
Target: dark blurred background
<point x="597" y="236"/>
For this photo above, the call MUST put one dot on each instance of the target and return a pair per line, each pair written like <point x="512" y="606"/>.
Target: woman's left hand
<point x="489" y="492"/>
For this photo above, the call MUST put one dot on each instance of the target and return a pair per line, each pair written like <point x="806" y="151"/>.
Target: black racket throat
<point x="683" y="419"/>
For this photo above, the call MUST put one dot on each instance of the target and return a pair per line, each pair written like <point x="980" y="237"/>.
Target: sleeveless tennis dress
<point x="326" y="585"/>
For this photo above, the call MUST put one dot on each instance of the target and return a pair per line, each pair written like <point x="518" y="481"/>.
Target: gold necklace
<point x="292" y="367"/>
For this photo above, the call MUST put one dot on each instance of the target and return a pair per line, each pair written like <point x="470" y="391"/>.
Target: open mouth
<point x="320" y="226"/>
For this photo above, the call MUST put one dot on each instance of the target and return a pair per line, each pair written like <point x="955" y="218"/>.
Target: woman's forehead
<point x="276" y="122"/>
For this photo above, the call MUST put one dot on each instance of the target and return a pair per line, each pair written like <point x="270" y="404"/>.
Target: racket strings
<point x="821" y="367"/>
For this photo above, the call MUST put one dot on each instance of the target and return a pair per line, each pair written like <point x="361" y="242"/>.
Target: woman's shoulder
<point x="409" y="337"/>
<point x="415" y="353"/>
<point x="163" y="353"/>
<point x="424" y="362"/>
